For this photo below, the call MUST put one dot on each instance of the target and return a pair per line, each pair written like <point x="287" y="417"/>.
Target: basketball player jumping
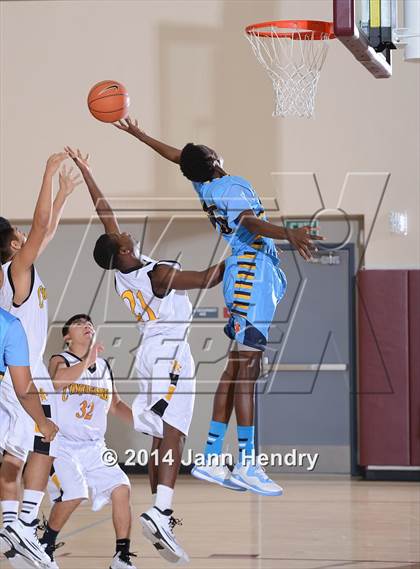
<point x="23" y="294"/>
<point x="14" y="356"/>
<point x="253" y="285"/>
<point x="155" y="293"/>
<point x="86" y="393"/>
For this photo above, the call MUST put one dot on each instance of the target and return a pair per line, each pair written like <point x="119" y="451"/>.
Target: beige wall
<point x="192" y="76"/>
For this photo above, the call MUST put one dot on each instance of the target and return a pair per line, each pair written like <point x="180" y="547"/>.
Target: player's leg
<point x="14" y="456"/>
<point x="121" y="512"/>
<point x="67" y="488"/>
<point x="10" y="474"/>
<point x="247" y="473"/>
<point x="40" y="461"/>
<point x="121" y="517"/>
<point x="59" y="516"/>
<point x="170" y="455"/>
<point x="175" y="387"/>
<point x="250" y="324"/>
<point x="158" y="522"/>
<point x="153" y="465"/>
<point x="20" y="534"/>
<point x="214" y="470"/>
<point x="26" y="525"/>
<point x="109" y="484"/>
<point x="249" y="371"/>
<point x="35" y="480"/>
<point x="224" y="397"/>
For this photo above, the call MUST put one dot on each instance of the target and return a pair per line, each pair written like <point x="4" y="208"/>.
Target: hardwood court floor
<point x="320" y="523"/>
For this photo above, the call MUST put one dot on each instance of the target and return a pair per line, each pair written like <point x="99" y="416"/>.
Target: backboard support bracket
<point x="376" y="61"/>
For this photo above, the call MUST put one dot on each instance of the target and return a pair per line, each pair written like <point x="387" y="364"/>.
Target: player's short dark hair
<point x="72" y="320"/>
<point x="6" y="237"/>
<point x="197" y="162"/>
<point x="106" y="252"/>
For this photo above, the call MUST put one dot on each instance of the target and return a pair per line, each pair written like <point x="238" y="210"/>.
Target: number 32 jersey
<point x="224" y="199"/>
<point x="82" y="407"/>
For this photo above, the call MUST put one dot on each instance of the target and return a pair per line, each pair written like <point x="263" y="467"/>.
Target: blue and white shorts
<point x="253" y="284"/>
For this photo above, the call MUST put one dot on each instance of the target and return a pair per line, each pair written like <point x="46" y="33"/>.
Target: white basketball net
<point x="294" y="66"/>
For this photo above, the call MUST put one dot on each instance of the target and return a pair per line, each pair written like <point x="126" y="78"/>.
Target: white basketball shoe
<point x="219" y="474"/>
<point x="24" y="539"/>
<point x="122" y="561"/>
<point x="158" y="528"/>
<point x="255" y="479"/>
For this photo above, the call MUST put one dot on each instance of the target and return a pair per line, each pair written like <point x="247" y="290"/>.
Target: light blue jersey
<point x="14" y="349"/>
<point x="224" y="199"/>
<point x="253" y="282"/>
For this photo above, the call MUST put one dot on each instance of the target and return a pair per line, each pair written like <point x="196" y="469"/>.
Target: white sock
<point x="30" y="505"/>
<point x="164" y="496"/>
<point x="10" y="509"/>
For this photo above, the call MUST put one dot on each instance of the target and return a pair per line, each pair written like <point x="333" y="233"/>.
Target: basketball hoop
<point x="293" y="53"/>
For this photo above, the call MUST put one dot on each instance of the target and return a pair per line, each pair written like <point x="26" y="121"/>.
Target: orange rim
<point x="320" y="30"/>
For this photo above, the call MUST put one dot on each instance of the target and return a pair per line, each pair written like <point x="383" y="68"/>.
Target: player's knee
<point x="249" y="365"/>
<point x="170" y="431"/>
<point x="11" y="469"/>
<point x="121" y="493"/>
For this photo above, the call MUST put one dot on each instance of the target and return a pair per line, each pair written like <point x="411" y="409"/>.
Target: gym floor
<point x="319" y="523"/>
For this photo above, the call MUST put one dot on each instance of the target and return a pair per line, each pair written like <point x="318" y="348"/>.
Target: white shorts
<point x="79" y="471"/>
<point x="18" y="433"/>
<point x="167" y="386"/>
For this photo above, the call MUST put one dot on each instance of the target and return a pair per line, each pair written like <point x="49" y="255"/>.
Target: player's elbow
<point x="22" y="393"/>
<point x="214" y="280"/>
<point x="176" y="157"/>
<point x="250" y="222"/>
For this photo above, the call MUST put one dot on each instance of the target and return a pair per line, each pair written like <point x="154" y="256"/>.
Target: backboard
<point x="366" y="27"/>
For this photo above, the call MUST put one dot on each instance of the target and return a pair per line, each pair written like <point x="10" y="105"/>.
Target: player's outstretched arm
<point x="120" y="408"/>
<point x="62" y="376"/>
<point x="103" y="209"/>
<point x="132" y="127"/>
<point x="67" y="183"/>
<point x="164" y="278"/>
<point x="300" y="238"/>
<point x="29" y="252"/>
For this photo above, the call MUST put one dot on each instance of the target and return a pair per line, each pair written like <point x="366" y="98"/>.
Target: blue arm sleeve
<point x="16" y="351"/>
<point x="235" y="200"/>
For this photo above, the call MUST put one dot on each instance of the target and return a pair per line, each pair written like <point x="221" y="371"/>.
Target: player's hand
<point x="301" y="239"/>
<point x="82" y="162"/>
<point x="94" y="351"/>
<point x="54" y="161"/>
<point x="49" y="430"/>
<point x="130" y="126"/>
<point x="67" y="182"/>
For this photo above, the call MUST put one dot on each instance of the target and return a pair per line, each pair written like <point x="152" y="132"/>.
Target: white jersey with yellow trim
<point x="169" y="315"/>
<point x="33" y="314"/>
<point x="83" y="406"/>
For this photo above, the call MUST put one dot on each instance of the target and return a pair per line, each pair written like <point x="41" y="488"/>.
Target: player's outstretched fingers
<point x="121" y="125"/>
<point x="313" y="236"/>
<point x="70" y="152"/>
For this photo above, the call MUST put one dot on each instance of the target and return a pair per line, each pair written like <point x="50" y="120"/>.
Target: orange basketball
<point x="108" y="101"/>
